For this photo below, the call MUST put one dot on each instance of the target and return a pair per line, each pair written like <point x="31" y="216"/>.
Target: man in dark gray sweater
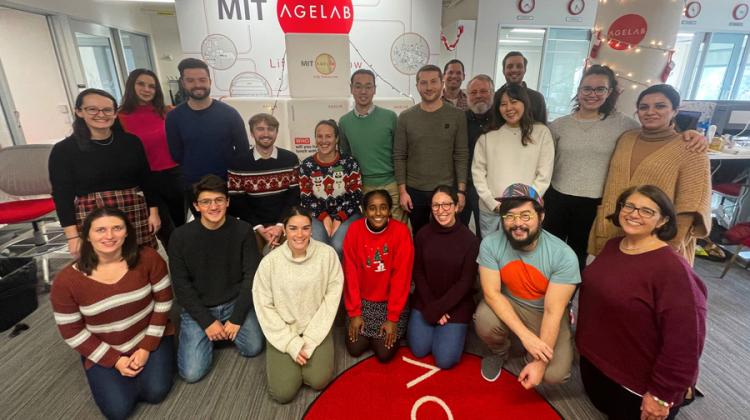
<point x="212" y="262"/>
<point x="430" y="148"/>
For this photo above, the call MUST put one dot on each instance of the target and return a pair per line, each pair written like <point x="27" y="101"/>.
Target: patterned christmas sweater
<point x="105" y="321"/>
<point x="330" y="189"/>
<point x="377" y="267"/>
<point x="262" y="190"/>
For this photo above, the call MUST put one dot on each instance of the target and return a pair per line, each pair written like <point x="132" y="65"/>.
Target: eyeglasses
<point x="645" y="212"/>
<point x="588" y="90"/>
<point x="444" y="206"/>
<point x="206" y="202"/>
<point x="524" y="217"/>
<point x="93" y="111"/>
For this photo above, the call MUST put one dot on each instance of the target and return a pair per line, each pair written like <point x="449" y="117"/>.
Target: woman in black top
<point x="100" y="165"/>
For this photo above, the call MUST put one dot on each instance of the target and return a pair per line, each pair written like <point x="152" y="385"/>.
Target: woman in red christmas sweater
<point x="112" y="307"/>
<point x="378" y="257"/>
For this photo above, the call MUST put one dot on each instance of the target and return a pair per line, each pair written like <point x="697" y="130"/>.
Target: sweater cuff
<point x="394" y="316"/>
<point x="665" y="394"/>
<point x="294" y="346"/>
<point x="149" y="343"/>
<point x="342" y="216"/>
<point x="322" y="216"/>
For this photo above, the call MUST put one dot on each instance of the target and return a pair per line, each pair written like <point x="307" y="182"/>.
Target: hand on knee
<point x="556" y="376"/>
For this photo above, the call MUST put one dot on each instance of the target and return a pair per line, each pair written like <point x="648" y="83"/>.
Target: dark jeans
<point x="611" y="398"/>
<point x="116" y="395"/>
<point x="570" y="218"/>
<point x="471" y="207"/>
<point x="168" y="187"/>
<point x="420" y="212"/>
<point x="445" y="342"/>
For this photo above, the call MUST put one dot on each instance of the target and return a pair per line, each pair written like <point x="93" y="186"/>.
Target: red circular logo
<point x="625" y="31"/>
<point x="315" y="16"/>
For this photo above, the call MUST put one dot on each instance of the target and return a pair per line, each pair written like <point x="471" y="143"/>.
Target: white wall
<point x="167" y="49"/>
<point x="465" y="10"/>
<point x="464" y="50"/>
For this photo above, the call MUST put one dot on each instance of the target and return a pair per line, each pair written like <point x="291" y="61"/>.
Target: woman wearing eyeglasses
<point x="100" y="165"/>
<point x="515" y="149"/>
<point x="656" y="155"/>
<point x="378" y="258"/>
<point x="584" y="143"/>
<point x="143" y="113"/>
<point x="445" y="269"/>
<point x="641" y="314"/>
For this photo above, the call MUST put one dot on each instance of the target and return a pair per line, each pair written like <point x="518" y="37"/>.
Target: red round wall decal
<point x="315" y="16"/>
<point x="412" y="388"/>
<point x="627" y="30"/>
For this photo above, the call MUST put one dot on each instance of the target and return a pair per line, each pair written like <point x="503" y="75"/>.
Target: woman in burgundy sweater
<point x="378" y="257"/>
<point x="112" y="306"/>
<point x="143" y="113"/>
<point x="641" y="314"/>
<point x="445" y="269"/>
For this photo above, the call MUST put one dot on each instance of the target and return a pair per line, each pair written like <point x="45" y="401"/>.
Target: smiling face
<point x="97" y="111"/>
<point x="454" y="76"/>
<point x="377" y="211"/>
<point x="522" y="233"/>
<point x="429" y="85"/>
<point x="655" y="111"/>
<point x="145" y="89"/>
<point x="264" y="134"/>
<point x="212" y="207"/>
<point x="511" y="110"/>
<point x="325" y="140"/>
<point x="643" y="221"/>
<point x="298" y="231"/>
<point x="588" y="97"/>
<point x="444" y="209"/>
<point x="107" y="235"/>
<point x="514" y="69"/>
<point x="479" y="95"/>
<point x="197" y="83"/>
<point x="363" y="89"/>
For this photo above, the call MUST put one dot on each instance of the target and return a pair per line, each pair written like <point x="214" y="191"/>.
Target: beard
<point x="479" y="108"/>
<point x="531" y="236"/>
<point x="198" y="97"/>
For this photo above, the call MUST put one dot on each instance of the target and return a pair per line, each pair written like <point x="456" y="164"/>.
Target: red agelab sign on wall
<point x="627" y="30"/>
<point x="315" y="16"/>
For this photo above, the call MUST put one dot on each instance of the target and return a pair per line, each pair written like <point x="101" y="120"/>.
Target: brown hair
<point x="130" y="99"/>
<point x="518" y="93"/>
<point x="669" y="229"/>
<point x="89" y="260"/>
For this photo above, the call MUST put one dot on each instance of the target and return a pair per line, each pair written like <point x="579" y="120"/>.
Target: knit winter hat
<point x="519" y="190"/>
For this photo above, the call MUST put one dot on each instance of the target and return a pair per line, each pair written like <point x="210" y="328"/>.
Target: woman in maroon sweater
<point x="143" y="113"/>
<point x="112" y="307"/>
<point x="445" y="269"/>
<point x="641" y="314"/>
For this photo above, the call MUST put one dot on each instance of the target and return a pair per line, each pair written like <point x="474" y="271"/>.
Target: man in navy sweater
<point x="204" y="135"/>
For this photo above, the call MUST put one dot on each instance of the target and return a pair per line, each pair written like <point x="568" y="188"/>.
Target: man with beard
<point x="430" y="149"/>
<point x="204" y="135"/>
<point x="480" y="90"/>
<point x="453" y="77"/>
<point x="528" y="277"/>
<point x="367" y="134"/>
<point x="263" y="184"/>
<point x="514" y="68"/>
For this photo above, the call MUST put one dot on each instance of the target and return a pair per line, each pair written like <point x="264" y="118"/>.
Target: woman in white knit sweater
<point x="296" y="293"/>
<point x="514" y="149"/>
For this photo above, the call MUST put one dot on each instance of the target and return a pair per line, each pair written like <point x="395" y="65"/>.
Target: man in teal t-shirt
<point x="528" y="277"/>
<point x="367" y="134"/>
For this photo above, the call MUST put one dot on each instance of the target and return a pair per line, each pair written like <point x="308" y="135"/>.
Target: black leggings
<point x="168" y="187"/>
<point x="570" y="218"/>
<point x="356" y="348"/>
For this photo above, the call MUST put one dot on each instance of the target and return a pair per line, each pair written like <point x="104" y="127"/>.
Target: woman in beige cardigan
<point x="654" y="154"/>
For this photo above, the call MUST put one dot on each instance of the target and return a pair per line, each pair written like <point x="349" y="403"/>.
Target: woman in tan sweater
<point x="655" y="155"/>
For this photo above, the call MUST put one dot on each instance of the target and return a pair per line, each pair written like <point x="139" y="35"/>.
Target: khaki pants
<point x="497" y="336"/>
<point x="285" y="376"/>
<point x="396" y="212"/>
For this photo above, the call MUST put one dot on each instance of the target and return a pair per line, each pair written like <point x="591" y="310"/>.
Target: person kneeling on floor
<point x="528" y="277"/>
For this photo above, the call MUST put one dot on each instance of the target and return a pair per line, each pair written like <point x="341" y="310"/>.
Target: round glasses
<point x="444" y="206"/>
<point x="93" y="111"/>
<point x="645" y="212"/>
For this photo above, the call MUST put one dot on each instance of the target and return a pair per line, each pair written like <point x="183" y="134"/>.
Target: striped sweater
<point x="106" y="321"/>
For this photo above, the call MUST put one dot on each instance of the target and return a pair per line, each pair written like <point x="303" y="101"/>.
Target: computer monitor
<point x="687" y="120"/>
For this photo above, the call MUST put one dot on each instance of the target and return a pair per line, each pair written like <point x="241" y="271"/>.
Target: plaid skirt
<point x="374" y="315"/>
<point x="130" y="201"/>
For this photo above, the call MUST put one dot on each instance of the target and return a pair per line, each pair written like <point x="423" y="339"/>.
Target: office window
<point x="98" y="62"/>
<point x="682" y="71"/>
<point x="135" y="51"/>
<point x="716" y="77"/>
<point x="564" y="57"/>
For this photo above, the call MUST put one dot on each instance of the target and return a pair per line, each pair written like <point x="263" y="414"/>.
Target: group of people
<point x="276" y="242"/>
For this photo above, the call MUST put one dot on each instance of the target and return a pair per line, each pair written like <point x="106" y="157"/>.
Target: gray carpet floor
<point x="42" y="378"/>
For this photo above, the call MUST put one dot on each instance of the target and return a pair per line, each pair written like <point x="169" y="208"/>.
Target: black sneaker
<point x="492" y="367"/>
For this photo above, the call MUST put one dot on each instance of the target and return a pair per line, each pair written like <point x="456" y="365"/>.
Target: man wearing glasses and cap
<point x="528" y="277"/>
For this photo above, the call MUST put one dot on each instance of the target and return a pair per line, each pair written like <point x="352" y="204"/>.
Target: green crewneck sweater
<point x="370" y="140"/>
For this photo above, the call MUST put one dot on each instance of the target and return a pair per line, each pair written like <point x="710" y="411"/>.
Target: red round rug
<point x="411" y="388"/>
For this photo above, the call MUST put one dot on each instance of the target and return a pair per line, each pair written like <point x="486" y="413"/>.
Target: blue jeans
<point x="445" y="342"/>
<point x="337" y="241"/>
<point x="195" y="353"/>
<point x="116" y="395"/>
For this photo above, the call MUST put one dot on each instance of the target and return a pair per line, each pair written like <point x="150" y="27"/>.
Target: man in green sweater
<point x="430" y="149"/>
<point x="367" y="134"/>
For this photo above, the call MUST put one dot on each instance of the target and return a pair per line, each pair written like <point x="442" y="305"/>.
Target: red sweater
<point x="148" y="126"/>
<point x="106" y="321"/>
<point x="377" y="267"/>
<point x="642" y="320"/>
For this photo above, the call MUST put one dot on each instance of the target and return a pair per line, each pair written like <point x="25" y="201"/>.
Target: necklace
<point x="106" y="142"/>
<point x="650" y="245"/>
